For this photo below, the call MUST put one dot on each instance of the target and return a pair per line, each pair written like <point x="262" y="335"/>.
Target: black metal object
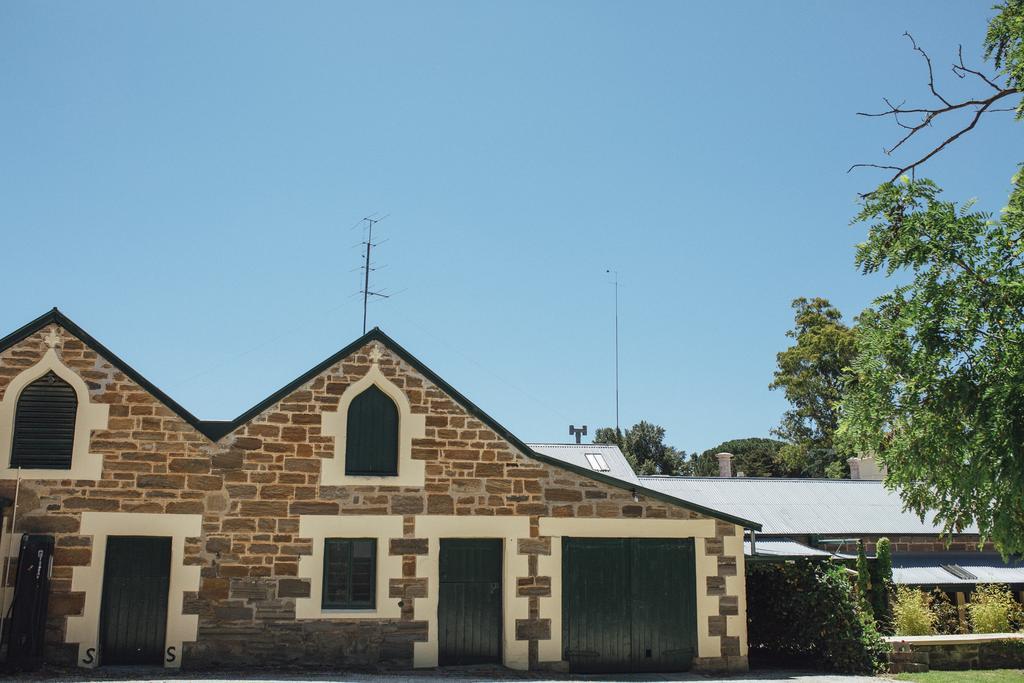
<point x="629" y="605"/>
<point x="577" y="432"/>
<point x="26" y="635"/>
<point x="44" y="424"/>
<point x="469" y="629"/>
<point x="350" y="573"/>
<point x="133" y="617"/>
<point x="371" y="438"/>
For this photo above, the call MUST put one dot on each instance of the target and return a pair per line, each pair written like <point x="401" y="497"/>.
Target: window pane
<point x="364" y="575"/>
<point x="350" y="573"/>
<point x="336" y="573"/>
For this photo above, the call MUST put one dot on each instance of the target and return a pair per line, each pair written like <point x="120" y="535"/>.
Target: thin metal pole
<point x="7" y="551"/>
<point x="366" y="279"/>
<point x="616" y="283"/>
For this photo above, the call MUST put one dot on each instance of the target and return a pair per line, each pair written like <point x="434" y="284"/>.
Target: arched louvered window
<point x="44" y="424"/>
<point x="371" y="438"/>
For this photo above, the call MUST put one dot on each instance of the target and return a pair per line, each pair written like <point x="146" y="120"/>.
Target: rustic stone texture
<point x="253" y="484"/>
<point x="533" y="629"/>
<point x="408" y="546"/>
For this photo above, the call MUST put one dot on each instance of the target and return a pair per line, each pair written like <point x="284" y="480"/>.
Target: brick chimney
<point x="867" y="468"/>
<point x="724" y="465"/>
<point x="854" y="467"/>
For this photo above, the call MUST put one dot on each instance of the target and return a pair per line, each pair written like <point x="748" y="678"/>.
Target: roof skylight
<point x="597" y="462"/>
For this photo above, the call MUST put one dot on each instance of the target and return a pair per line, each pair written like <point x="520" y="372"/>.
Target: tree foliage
<point x="754" y="457"/>
<point x="806" y="613"/>
<point x="883" y="584"/>
<point x="812" y="374"/>
<point x="644" y="446"/>
<point x="938" y="382"/>
<point x="1004" y="45"/>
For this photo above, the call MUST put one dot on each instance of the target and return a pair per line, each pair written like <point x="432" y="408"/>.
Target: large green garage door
<point x="628" y="604"/>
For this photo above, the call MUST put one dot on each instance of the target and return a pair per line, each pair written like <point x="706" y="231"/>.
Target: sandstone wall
<point x="252" y="487"/>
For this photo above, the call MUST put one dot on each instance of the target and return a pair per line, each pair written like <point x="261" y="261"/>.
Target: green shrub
<point x="947" y="614"/>
<point x="882" y="585"/>
<point x="807" y="613"/>
<point x="863" y="574"/>
<point x="911" y="615"/>
<point x="991" y="608"/>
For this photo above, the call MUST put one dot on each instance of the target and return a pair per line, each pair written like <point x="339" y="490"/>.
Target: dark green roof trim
<point x="55" y="317"/>
<point x="218" y="429"/>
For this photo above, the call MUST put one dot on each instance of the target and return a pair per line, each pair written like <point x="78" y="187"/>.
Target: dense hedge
<point x="806" y="613"/>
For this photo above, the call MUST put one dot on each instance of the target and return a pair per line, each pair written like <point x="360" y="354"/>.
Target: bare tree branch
<point x="960" y="70"/>
<point x="928" y="61"/>
<point x="927" y="115"/>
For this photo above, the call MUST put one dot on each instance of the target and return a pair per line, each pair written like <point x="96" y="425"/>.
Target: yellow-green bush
<point x="911" y="614"/>
<point x="991" y="608"/>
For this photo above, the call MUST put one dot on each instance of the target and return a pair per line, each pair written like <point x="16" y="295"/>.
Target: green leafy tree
<point x="812" y="374"/>
<point x="754" y="457"/>
<point x="938" y="390"/>
<point x="644" y="446"/>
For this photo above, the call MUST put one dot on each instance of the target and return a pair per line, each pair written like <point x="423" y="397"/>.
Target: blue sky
<point x="182" y="180"/>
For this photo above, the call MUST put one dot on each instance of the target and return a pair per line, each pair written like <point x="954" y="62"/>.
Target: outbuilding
<point x="365" y="515"/>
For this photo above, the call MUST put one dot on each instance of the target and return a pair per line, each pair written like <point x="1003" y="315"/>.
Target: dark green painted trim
<point x="216" y="430"/>
<point x="55" y="317"/>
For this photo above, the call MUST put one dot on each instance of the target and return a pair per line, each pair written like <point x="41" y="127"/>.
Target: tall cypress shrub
<point x="863" y="575"/>
<point x="882" y="589"/>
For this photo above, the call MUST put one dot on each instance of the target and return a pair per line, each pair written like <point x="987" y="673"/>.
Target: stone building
<point x="827" y="517"/>
<point x="365" y="515"/>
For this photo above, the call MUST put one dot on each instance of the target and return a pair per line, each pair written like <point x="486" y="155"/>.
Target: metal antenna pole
<point x="616" y="283"/>
<point x="366" y="267"/>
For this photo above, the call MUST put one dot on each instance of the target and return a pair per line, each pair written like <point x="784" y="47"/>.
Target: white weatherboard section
<point x="181" y="628"/>
<point x="515" y="653"/>
<point x="706" y="565"/>
<point x="90" y="416"/>
<point x="320" y="527"/>
<point x="410" y="426"/>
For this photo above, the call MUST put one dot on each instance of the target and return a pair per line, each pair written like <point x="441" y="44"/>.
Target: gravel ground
<point x="464" y="675"/>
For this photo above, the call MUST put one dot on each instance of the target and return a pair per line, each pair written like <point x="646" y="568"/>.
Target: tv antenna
<point x="370" y="221"/>
<point x="616" y="283"/>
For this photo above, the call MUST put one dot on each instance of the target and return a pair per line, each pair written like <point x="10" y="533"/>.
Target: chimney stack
<point x="866" y="468"/>
<point x="724" y="465"/>
<point x="854" y="467"/>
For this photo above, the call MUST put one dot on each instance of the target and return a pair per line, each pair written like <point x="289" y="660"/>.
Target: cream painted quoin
<point x="706" y="566"/>
<point x="410" y="426"/>
<point x="181" y="627"/>
<point x="89" y="417"/>
<point x="318" y="528"/>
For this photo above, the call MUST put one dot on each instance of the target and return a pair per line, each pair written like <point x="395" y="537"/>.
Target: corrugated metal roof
<point x="576" y="454"/>
<point x="783" y="547"/>
<point x="801" y="506"/>
<point x="926" y="569"/>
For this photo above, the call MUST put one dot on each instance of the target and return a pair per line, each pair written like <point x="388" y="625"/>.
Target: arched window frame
<point x="88" y="417"/>
<point x="373" y="466"/>
<point x="410" y="426"/>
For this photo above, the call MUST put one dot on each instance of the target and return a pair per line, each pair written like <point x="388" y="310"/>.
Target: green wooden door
<point x="628" y="604"/>
<point x="664" y="612"/>
<point x="469" y="601"/>
<point x="133" y="616"/>
<point x="595" y="604"/>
